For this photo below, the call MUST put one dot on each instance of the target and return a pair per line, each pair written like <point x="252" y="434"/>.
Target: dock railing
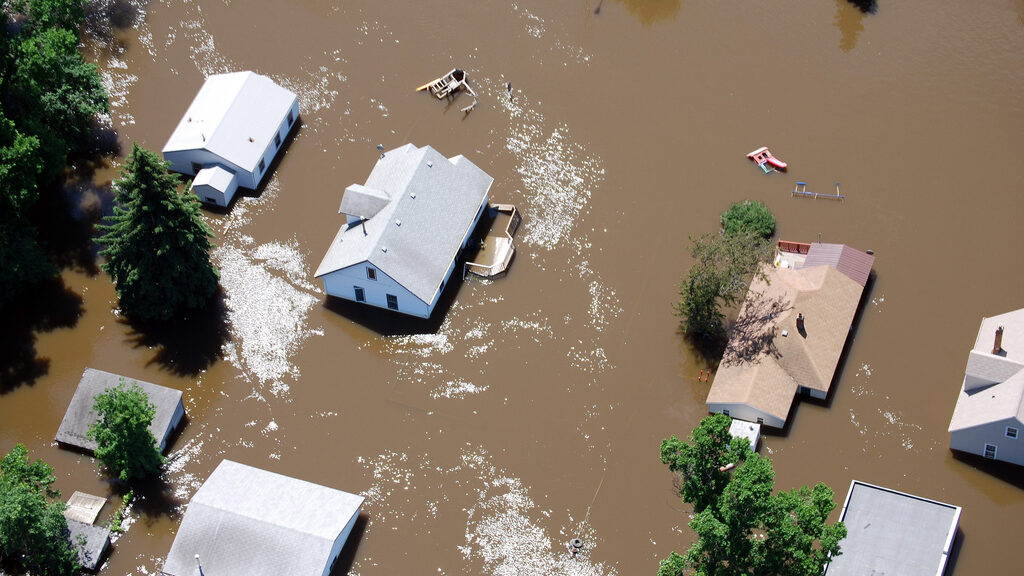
<point x="504" y="244"/>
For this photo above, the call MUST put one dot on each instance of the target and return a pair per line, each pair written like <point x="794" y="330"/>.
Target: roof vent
<point x="384" y="249"/>
<point x="412" y="195"/>
<point x="250" y="139"/>
<point x="430" y="164"/>
<point x="398" y="222"/>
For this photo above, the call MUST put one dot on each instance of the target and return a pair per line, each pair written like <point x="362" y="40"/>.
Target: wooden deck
<point x="496" y="254"/>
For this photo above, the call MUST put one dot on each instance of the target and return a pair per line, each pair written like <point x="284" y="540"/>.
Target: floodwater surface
<point x="530" y="410"/>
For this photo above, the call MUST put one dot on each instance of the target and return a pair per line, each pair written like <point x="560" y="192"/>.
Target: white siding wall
<point x="210" y="194"/>
<point x="273" y="147"/>
<point x="181" y="161"/>
<point x="746" y="412"/>
<point x="342" y="283"/>
<point x="973" y="440"/>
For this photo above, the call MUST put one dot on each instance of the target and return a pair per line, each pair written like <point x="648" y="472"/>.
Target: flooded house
<point x="791" y="331"/>
<point x="231" y="133"/>
<point x="892" y="532"/>
<point x="244" y="521"/>
<point x="404" y="230"/>
<point x="169" y="409"/>
<point x="989" y="415"/>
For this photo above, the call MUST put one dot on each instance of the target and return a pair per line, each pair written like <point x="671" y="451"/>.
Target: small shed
<point x="90" y="541"/>
<point x="749" y="430"/>
<point x="891" y="532"/>
<point x="244" y="521"/>
<point x="72" y="432"/>
<point x="84" y="507"/>
<point x="215" y="184"/>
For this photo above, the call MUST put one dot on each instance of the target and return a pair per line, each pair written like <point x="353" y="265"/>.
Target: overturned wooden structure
<point x="449" y="85"/>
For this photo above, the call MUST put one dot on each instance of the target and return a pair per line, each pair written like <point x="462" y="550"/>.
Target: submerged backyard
<point x="528" y="410"/>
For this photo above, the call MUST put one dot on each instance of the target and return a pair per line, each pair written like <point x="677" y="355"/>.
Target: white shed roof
<point x="244" y="521"/>
<point x="234" y="116"/>
<point x="214" y="176"/>
<point x="432" y="202"/>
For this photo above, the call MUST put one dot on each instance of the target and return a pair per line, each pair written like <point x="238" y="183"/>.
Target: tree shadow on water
<point x="44" y="308"/>
<point x="188" y="344"/>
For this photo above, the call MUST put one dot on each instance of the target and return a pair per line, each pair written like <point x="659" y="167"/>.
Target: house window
<point x="726" y="412"/>
<point x="392" y="301"/>
<point x="1011" y="432"/>
<point x="263" y="166"/>
<point x="360" y="294"/>
<point x="371" y="273"/>
<point x="291" y="117"/>
<point x="277" y="140"/>
<point x="990" y="451"/>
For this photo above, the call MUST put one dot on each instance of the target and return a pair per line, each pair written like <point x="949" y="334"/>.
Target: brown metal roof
<point x="850" y="261"/>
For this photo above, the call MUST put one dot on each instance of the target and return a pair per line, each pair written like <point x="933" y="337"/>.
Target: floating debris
<point x="449" y="85"/>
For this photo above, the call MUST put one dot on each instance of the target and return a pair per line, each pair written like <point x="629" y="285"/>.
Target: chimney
<point x="997" y="348"/>
<point x="800" y="322"/>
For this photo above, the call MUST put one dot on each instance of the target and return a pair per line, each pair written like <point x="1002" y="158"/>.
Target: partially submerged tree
<point x="743" y="527"/>
<point x="725" y="264"/>
<point x="749" y="216"/>
<point x="50" y="98"/>
<point x="157" y="245"/>
<point x="124" y="443"/>
<point x="699" y="460"/>
<point x="33" y="531"/>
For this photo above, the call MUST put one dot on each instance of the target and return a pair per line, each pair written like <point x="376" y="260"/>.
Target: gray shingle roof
<point x="432" y="202"/>
<point x="96" y="540"/>
<point x="993" y="389"/>
<point x="244" y="521"/>
<point x="79" y="416"/>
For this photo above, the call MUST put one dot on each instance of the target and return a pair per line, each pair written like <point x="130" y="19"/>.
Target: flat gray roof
<point x="79" y="416"/>
<point x="891" y="532"/>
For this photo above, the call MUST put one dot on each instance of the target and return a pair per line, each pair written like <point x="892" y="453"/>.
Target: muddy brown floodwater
<point x="532" y="413"/>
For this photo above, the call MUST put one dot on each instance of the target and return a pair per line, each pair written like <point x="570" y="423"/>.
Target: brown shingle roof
<point x="761" y="367"/>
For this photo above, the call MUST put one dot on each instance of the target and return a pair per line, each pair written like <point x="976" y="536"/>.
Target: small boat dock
<point x="801" y="190"/>
<point x="496" y="252"/>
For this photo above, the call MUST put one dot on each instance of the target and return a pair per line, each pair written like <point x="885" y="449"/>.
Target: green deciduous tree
<point x="49" y="100"/>
<point x="720" y="277"/>
<point x="33" y="531"/>
<point x="749" y="216"/>
<point x="157" y="245"/>
<point x="124" y="443"/>
<point x="699" y="460"/>
<point x="745" y="528"/>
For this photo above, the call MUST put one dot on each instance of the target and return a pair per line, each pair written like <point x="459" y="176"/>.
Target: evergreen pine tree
<point x="157" y="245"/>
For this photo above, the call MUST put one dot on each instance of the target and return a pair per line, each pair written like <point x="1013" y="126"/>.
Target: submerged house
<point x="404" y="230"/>
<point x="79" y="417"/>
<point x="230" y="134"/>
<point x="892" y="532"/>
<point x="244" y="521"/>
<point x="989" y="416"/>
<point x="791" y="331"/>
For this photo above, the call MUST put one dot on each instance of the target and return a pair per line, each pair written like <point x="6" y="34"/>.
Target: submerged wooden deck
<point x="497" y="251"/>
